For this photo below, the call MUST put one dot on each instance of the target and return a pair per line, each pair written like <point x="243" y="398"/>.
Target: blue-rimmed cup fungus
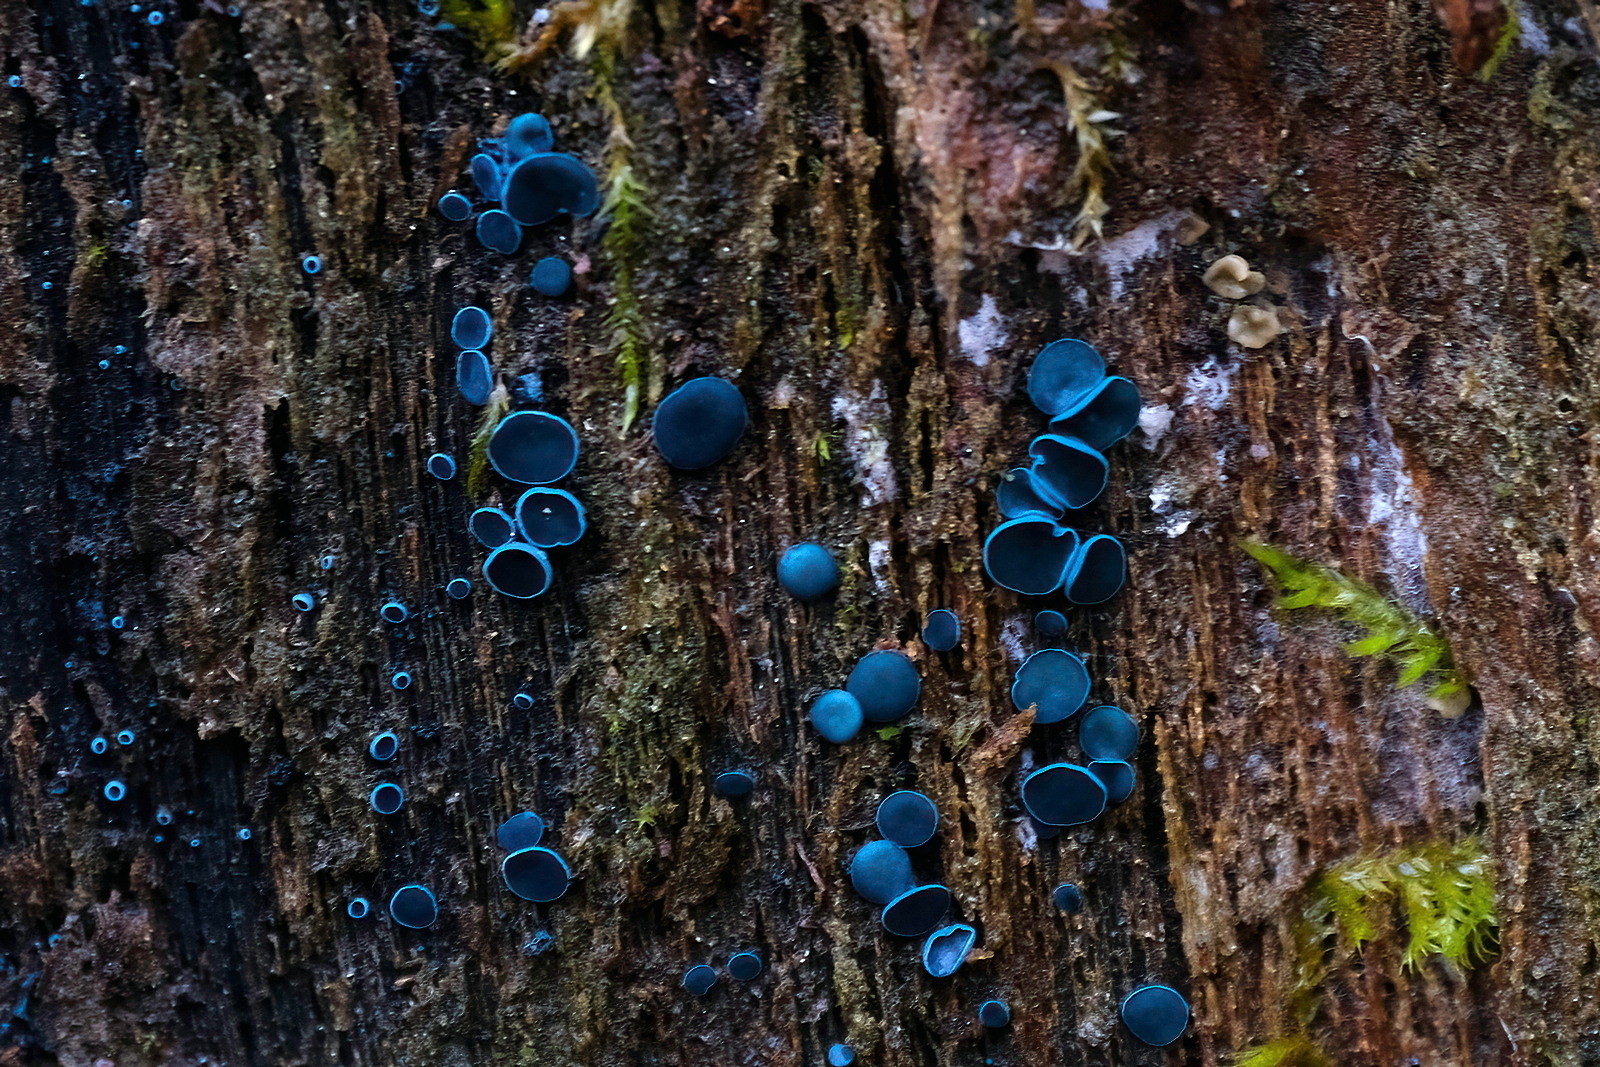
<point x="533" y="447"/>
<point x="523" y="701"/>
<point x="245" y="833"/>
<point x="1117" y="776"/>
<point x="994" y="1014"/>
<point x="1063" y="794"/>
<point x="699" y="979"/>
<point x="1063" y="374"/>
<point x="471" y="328"/>
<point x="745" y="966"/>
<point x="394" y="611"/>
<point x="522" y="830"/>
<point x="550" y="518"/>
<point x="387" y="798"/>
<point x="734" y="783"/>
<point x="1097" y="571"/>
<point x="528" y="133"/>
<point x="499" y="232"/>
<point x="841" y="1055"/>
<point x="115" y="791"/>
<point x="837" y="716"/>
<point x="699" y="423"/>
<point x="487" y="176"/>
<point x="1053" y="682"/>
<point x="887" y="685"/>
<point x="1068" y="897"/>
<point x="1105" y="417"/>
<point x="458" y="588"/>
<point x="1016" y="496"/>
<point x="125" y="737"/>
<point x="536" y="874"/>
<point x="1107" y="733"/>
<point x="358" y="908"/>
<point x="521" y="572"/>
<point x="1029" y="555"/>
<point x="400" y="680"/>
<point x="1155" y="1014"/>
<point x="1050" y="624"/>
<point x="881" y="871"/>
<point x="916" y="911"/>
<point x="442" y="466"/>
<point x="474" y="377"/>
<point x="551" y="276"/>
<point x="1066" y="471"/>
<point x="99" y="745"/>
<point x="547" y="184"/>
<point x="942" y="630"/>
<point x="492" y="527"/>
<point x="454" y="206"/>
<point x="414" y="906"/>
<point x="304" y="601"/>
<point x="946" y="950"/>
<point x="384" y="747"/>
<point x="808" y="571"/>
<point x="311" y="264"/>
<point x="907" y="818"/>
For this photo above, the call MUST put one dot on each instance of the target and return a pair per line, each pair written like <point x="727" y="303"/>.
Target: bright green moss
<point x="1295" y="1051"/>
<point x="478" y="485"/>
<point x="492" y="24"/>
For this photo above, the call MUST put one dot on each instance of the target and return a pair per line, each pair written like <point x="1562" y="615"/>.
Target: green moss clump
<point x="1510" y="33"/>
<point x="478" y="451"/>
<point x="492" y="24"/>
<point x="627" y="215"/>
<point x="1295" y="1051"/>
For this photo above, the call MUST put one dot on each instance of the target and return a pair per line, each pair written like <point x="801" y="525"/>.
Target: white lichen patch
<point x="1209" y="385"/>
<point x="867" y="443"/>
<point x="1121" y="255"/>
<point x="983" y="333"/>
<point x="1154" y="422"/>
<point x="878" y="563"/>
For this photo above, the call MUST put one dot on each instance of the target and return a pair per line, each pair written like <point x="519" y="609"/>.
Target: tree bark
<point x="869" y="216"/>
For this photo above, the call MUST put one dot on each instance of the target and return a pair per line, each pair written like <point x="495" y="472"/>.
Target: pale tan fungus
<point x="1253" y="327"/>
<point x="1231" y="278"/>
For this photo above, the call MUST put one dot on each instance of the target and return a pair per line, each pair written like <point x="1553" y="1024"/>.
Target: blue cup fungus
<point x="881" y="871"/>
<point x="442" y="466"/>
<point x="1107" y="415"/>
<point x="487" y="176"/>
<point x="1107" y="733"/>
<point x="1029" y="555"/>
<point x="946" y="950"/>
<point x="394" y="611"/>
<point x="499" y="232"/>
<point x="1050" y="624"/>
<point x="1097" y="570"/>
<point x="358" y="908"/>
<point x="522" y="830"/>
<point x="837" y="716"/>
<point x="1016" y="496"/>
<point x="458" y="588"/>
<point x="1155" y="1014"/>
<point x="245" y="833"/>
<point x="551" y="276"/>
<point x="528" y="133"/>
<point x="99" y="745"/>
<point x="1063" y="794"/>
<point x="550" y="518"/>
<point x="310" y="264"/>
<point x="1066" y="471"/>
<point x="994" y="1014"/>
<point x="536" y="874"/>
<point x="115" y="791"/>
<point x="304" y="602"/>
<point x="454" y="206"/>
<point x="125" y="737"/>
<point x="118" y="622"/>
<point x="841" y="1055"/>
<point x="1053" y="682"/>
<point x="1068" y="897"/>
<point x="471" y="328"/>
<point x="1118" y="776"/>
<point x="533" y="447"/>
<point x="699" y="979"/>
<point x="519" y="571"/>
<point x="907" y="818"/>
<point x="734" y="783"/>
<point x="1064" y="374"/>
<point x="384" y="747"/>
<point x="414" y="906"/>
<point x="745" y="966"/>
<point x="387" y="798"/>
<point x="492" y="527"/>
<point x="474" y="377"/>
<point x="942" y="631"/>
<point x="699" y="423"/>
<point x="400" y="680"/>
<point x="547" y="184"/>
<point x="808" y="571"/>
<point x="916" y="911"/>
<point x="524" y="701"/>
<point x="886" y="684"/>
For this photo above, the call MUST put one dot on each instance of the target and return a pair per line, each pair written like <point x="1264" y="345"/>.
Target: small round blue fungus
<point x="881" y="871"/>
<point x="1118" y="776"/>
<point x="394" y="611"/>
<point x="499" y="232"/>
<point x="1066" y="471"/>
<point x="1107" y="733"/>
<point x="1063" y="794"/>
<point x="163" y="817"/>
<point x="536" y="874"/>
<point x="115" y="790"/>
<point x="916" y="911"/>
<point x="442" y="466"/>
<point x="311" y="264"/>
<point x="458" y="588"/>
<point x="358" y="908"/>
<point x="125" y="737"/>
<point x="745" y="966"/>
<point x="523" y="701"/>
<point x="387" y="798"/>
<point x="533" y="447"/>
<point x="1064" y="374"/>
<point x="528" y="133"/>
<point x="841" y="1055"/>
<point x="304" y="601"/>
<point x="400" y="680"/>
<point x="907" y="818"/>
<point x="551" y="276"/>
<point x="521" y="572"/>
<point x="492" y="527"/>
<point x="699" y="979"/>
<point x="327" y="562"/>
<point x="99" y="745"/>
<point x="1050" y="624"/>
<point x="522" y="830"/>
<point x="734" y="783"/>
<point x="15" y="81"/>
<point x="428" y="8"/>
<point x="946" y="950"/>
<point x="471" y="328"/>
<point x="118" y="622"/>
<point x="546" y="184"/>
<point x="994" y="1014"/>
<point x="105" y="364"/>
<point x="837" y="716"/>
<point x="1097" y="570"/>
<point x="245" y="833"/>
<point x="155" y="18"/>
<point x="1053" y="682"/>
<point x="1029" y="555"/>
<point x="808" y="571"/>
<point x="699" y="423"/>
<point x="1017" y="496"/>
<point x="194" y="842"/>
<point x="1105" y="417"/>
<point x="551" y="518"/>
<point x="1068" y="897"/>
<point x="886" y="684"/>
<point x="474" y="377"/>
<point x="1155" y="1014"/>
<point x="384" y="747"/>
<point x="942" y="631"/>
<point x="487" y="176"/>
<point x="414" y="906"/>
<point x="455" y="207"/>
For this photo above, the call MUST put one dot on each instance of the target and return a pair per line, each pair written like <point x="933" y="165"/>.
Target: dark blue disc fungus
<point x="442" y="466"/>
<point x="1052" y="681"/>
<point x="522" y="830"/>
<point x="942" y="631"/>
<point x="99" y="745"/>
<point x="1066" y="471"/>
<point x="533" y="447"/>
<point x="384" y="747"/>
<point x="734" y="783"/>
<point x="115" y="791"/>
<point x="245" y="833"/>
<point x="387" y="798"/>
<point x="1117" y="776"/>
<point x="304" y="602"/>
<point x="699" y="423"/>
<point x="521" y="572"/>
<point x="455" y="207"/>
<point x="474" y="377"/>
<point x="471" y="328"/>
<point x="358" y="908"/>
<point x="1050" y="624"/>
<point x="837" y="716"/>
<point x="1063" y="794"/>
<point x="125" y="737"/>
<point x="400" y="679"/>
<point x="492" y="527"/>
<point x="1017" y="497"/>
<point x="699" y="979"/>
<point x="1097" y="570"/>
<point x="458" y="588"/>
<point x="1155" y="1014"/>
<point x="551" y="276"/>
<point x="907" y="818"/>
<point x="1107" y="733"/>
<point x="1029" y="555"/>
<point x="1105" y="417"/>
<point x="550" y="518"/>
<point x="1063" y="375"/>
<point x="881" y="871"/>
<point x="499" y="232"/>
<point x="536" y="874"/>
<point x="523" y="701"/>
<point x="394" y="611"/>
<point x="1068" y="897"/>
<point x="414" y="906"/>
<point x="118" y="622"/>
<point x="546" y="184"/>
<point x="527" y="134"/>
<point x="946" y="950"/>
<point x="744" y="966"/>
<point x="310" y="264"/>
<point x="840" y="1055"/>
<point x="486" y="175"/>
<point x="808" y="571"/>
<point x="994" y="1014"/>
<point x="886" y="684"/>
<point x="916" y="911"/>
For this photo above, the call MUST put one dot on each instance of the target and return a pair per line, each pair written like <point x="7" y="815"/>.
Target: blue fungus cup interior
<point x="946" y="950"/>
<point x="522" y="830"/>
<point x="537" y="874"/>
<point x="125" y="737"/>
<point x="907" y="818"/>
<point x="521" y="572"/>
<point x="551" y="276"/>
<point x="387" y="798"/>
<point x="1118" y="776"/>
<point x="311" y="264"/>
<point x="99" y="745"/>
<point x="551" y="518"/>
<point x="1097" y="571"/>
<point x="304" y="602"/>
<point x="1067" y="472"/>
<point x="1107" y="733"/>
<point x="528" y="133"/>
<point x="1155" y="1014"/>
<point x="745" y="966"/>
<point x="400" y="680"/>
<point x="1053" y="682"/>
<point x="808" y="571"/>
<point x="547" y="184"/>
<point x="699" y="423"/>
<point x="474" y="377"/>
<point x="115" y="790"/>
<point x="523" y="701"/>
<point x="1050" y="624"/>
<point x="1063" y="794"/>
<point x="414" y="906"/>
<point x="994" y="1014"/>
<point x="841" y="1055"/>
<point x="458" y="588"/>
<point x="245" y="833"/>
<point x="1029" y="555"/>
<point x="487" y="176"/>
<point x="533" y="447"/>
<point x="471" y="328"/>
<point x="1064" y="374"/>
<point x="881" y="871"/>
<point x="442" y="466"/>
<point x="499" y="232"/>
<point x="394" y="611"/>
<point x="837" y="716"/>
<point x="118" y="622"/>
<point x="734" y="783"/>
<point x="916" y="911"/>
<point x="384" y="747"/>
<point x="887" y="685"/>
<point x="1016" y="496"/>
<point x="492" y="527"/>
<point x="942" y="630"/>
<point x="1106" y="416"/>
<point x="455" y="207"/>
<point x="1068" y="897"/>
<point x="358" y="908"/>
<point x="699" y="979"/>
